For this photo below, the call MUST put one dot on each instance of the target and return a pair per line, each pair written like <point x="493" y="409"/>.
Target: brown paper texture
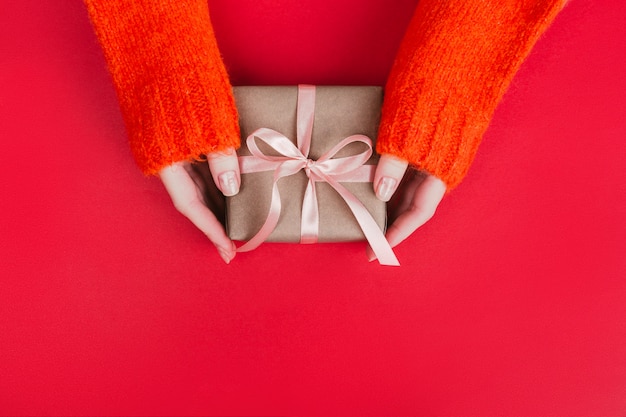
<point x="339" y="112"/>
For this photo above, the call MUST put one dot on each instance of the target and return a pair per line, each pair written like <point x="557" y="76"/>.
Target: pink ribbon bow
<point x="326" y="168"/>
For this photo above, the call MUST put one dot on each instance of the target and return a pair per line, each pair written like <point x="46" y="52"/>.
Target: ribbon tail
<point x="270" y="223"/>
<point x="372" y="232"/>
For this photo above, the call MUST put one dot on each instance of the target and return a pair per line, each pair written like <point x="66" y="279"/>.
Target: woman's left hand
<point x="197" y="198"/>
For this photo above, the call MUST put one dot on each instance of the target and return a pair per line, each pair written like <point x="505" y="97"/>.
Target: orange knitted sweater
<point x="455" y="62"/>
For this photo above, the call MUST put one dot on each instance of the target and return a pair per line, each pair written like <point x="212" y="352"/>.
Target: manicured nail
<point x="228" y="183"/>
<point x="224" y="255"/>
<point x="385" y="188"/>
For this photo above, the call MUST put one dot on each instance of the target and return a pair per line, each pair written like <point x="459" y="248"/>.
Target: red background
<point x="510" y="302"/>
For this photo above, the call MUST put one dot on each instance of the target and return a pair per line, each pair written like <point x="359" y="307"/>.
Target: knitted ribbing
<point x="454" y="64"/>
<point x="172" y="86"/>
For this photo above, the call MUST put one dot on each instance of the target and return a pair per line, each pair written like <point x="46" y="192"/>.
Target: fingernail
<point x="370" y="254"/>
<point x="228" y="183"/>
<point x="224" y="255"/>
<point x="385" y="188"/>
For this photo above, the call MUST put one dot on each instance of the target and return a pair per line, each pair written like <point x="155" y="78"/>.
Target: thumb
<point x="224" y="168"/>
<point x="389" y="173"/>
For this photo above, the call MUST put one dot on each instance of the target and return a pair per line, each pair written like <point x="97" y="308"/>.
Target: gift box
<point x="334" y="117"/>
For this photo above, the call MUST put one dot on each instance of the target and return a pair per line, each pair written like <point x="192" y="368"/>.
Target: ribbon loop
<point x="327" y="169"/>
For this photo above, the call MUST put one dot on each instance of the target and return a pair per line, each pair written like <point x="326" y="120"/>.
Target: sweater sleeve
<point x="173" y="89"/>
<point x="453" y="66"/>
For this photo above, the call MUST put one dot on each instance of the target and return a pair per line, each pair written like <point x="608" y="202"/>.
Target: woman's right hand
<point x="417" y="199"/>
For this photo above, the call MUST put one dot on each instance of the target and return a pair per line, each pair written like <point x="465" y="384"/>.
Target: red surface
<point x="510" y="302"/>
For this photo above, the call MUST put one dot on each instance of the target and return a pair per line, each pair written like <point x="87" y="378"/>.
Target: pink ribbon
<point x="326" y="168"/>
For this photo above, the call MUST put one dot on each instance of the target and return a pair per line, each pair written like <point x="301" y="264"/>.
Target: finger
<point x="225" y="171"/>
<point x="404" y="195"/>
<point x="188" y="201"/>
<point x="212" y="196"/>
<point x="422" y="208"/>
<point x="389" y="173"/>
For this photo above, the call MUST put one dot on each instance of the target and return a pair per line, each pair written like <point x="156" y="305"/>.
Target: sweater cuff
<point x="173" y="89"/>
<point x="454" y="64"/>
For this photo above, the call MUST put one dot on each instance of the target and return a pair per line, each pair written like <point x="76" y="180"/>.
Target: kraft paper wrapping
<point x="339" y="113"/>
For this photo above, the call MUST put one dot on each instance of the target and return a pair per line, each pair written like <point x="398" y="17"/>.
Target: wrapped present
<point x="307" y="166"/>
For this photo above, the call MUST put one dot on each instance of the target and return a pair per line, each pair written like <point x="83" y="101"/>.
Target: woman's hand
<point x="417" y="199"/>
<point x="198" y="200"/>
<point x="415" y="203"/>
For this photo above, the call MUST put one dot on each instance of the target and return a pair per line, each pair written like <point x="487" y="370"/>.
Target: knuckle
<point x="226" y="156"/>
<point x="181" y="206"/>
<point x="392" y="163"/>
<point x="185" y="206"/>
<point x="423" y="213"/>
